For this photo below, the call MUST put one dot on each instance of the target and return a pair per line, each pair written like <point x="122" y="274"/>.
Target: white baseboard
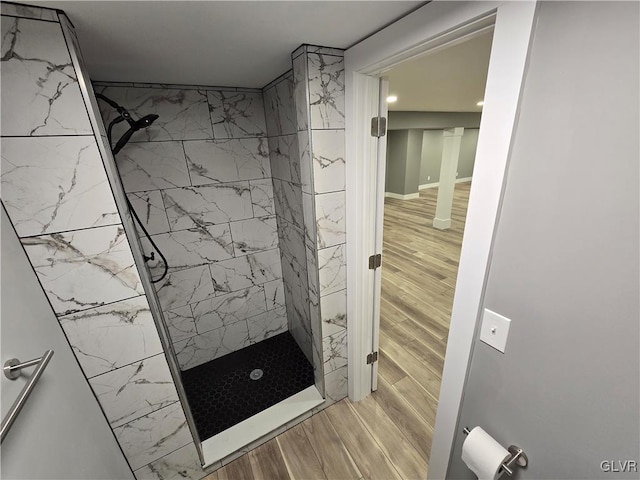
<point x="424" y="186"/>
<point x="408" y="196"/>
<point x="442" y="223"/>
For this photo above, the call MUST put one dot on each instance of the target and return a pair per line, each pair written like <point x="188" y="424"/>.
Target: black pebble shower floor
<point x="221" y="394"/>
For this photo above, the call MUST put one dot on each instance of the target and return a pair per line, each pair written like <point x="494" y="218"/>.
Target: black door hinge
<point x="372" y="357"/>
<point x="375" y="261"/>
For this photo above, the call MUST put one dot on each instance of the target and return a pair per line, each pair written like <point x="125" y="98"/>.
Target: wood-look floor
<point x="388" y="434"/>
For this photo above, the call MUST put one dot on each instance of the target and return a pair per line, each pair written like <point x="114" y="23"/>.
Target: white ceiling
<point x="230" y="43"/>
<point x="449" y="80"/>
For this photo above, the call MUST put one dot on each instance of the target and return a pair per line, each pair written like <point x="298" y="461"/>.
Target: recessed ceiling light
<point x="480" y="103"/>
<point x="391" y="98"/>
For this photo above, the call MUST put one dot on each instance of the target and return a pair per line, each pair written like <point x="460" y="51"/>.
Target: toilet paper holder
<point x="518" y="457"/>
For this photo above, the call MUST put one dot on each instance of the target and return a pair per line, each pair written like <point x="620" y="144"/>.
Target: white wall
<point x="48" y="440"/>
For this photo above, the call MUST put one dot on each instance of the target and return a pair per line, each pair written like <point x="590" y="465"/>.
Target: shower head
<point x="134" y="125"/>
<point x="144" y="122"/>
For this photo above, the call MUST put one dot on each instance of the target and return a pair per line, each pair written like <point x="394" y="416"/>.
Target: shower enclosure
<point x="242" y="190"/>
<point x="235" y="298"/>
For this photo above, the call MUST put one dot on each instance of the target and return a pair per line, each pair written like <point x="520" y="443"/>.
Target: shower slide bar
<point x="11" y="370"/>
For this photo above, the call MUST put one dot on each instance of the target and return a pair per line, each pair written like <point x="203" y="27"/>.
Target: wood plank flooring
<point x="387" y="435"/>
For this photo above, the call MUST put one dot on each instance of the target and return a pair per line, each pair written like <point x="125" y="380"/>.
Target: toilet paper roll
<point x="483" y="455"/>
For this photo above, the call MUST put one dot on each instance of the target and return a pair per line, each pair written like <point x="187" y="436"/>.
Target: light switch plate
<point x="494" y="330"/>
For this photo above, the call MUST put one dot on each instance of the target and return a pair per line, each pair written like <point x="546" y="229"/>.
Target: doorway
<point x="433" y="27"/>
<point x="435" y="104"/>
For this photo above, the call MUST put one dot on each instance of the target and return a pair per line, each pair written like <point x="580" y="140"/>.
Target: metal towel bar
<point x="12" y="370"/>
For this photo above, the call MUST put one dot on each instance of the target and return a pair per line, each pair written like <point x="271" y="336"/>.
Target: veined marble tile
<point x="306" y="167"/>
<point x="297" y="304"/>
<point x="182" y="464"/>
<point x="135" y="390"/>
<point x="332" y="270"/>
<point x="228" y="309"/>
<point x="312" y="272"/>
<point x="207" y="205"/>
<point x="190" y="248"/>
<point x="267" y="325"/>
<point x="295" y="285"/>
<point x="328" y="160"/>
<point x="315" y="320"/>
<point x="292" y="245"/>
<point x="212" y="344"/>
<point x="318" y="368"/>
<point x="232" y="160"/>
<point x="286" y="108"/>
<point x="27" y="11"/>
<point x="314" y="304"/>
<point x="246" y="271"/>
<point x="180" y="323"/>
<point x="111" y="336"/>
<point x="262" y="197"/>
<point x="288" y="202"/>
<point x="272" y="122"/>
<point x="254" y="235"/>
<point x="279" y="108"/>
<point x="150" y="210"/>
<point x="153" y="436"/>
<point x="54" y="184"/>
<point x="294" y="268"/>
<point x="183" y="114"/>
<point x="326" y="90"/>
<point x="152" y="166"/>
<point x="274" y="293"/>
<point x="301" y="92"/>
<point x="184" y="287"/>
<point x="330" y="219"/>
<point x="335" y="384"/>
<point x="84" y="268"/>
<point x="335" y="351"/>
<point x="236" y="114"/>
<point x="334" y="312"/>
<point x="40" y="92"/>
<point x="309" y="216"/>
<point x="284" y="156"/>
<point x="317" y="347"/>
<point x="324" y="50"/>
<point x="302" y="338"/>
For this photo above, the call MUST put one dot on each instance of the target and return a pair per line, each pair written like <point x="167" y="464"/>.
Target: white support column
<point x="448" y="169"/>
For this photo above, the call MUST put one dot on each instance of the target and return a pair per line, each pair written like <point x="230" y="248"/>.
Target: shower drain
<point x="256" y="374"/>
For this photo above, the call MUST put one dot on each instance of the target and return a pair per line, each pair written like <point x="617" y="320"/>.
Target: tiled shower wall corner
<point x="318" y="75"/>
<point x="56" y="192"/>
<point x="285" y="168"/>
<point x="200" y="180"/>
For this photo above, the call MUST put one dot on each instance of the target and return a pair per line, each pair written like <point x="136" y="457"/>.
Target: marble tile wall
<point x="248" y="238"/>
<point x="56" y="192"/>
<point x="285" y="159"/>
<point x="200" y="179"/>
<point x="318" y="75"/>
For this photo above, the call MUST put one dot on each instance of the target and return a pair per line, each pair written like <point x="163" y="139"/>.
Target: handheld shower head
<point x="145" y="121"/>
<point x="134" y="125"/>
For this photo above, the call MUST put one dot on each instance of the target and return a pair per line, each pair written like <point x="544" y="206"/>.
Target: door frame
<point x="435" y="26"/>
